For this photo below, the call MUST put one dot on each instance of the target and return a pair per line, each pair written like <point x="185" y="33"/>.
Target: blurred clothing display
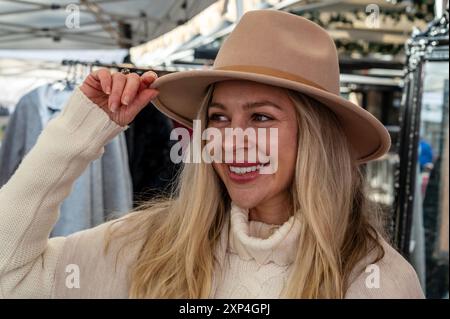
<point x="425" y="154"/>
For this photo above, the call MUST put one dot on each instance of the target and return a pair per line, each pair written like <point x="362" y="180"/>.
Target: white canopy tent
<point x="90" y="24"/>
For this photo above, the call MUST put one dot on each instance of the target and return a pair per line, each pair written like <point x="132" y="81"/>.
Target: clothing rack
<point x="118" y="67"/>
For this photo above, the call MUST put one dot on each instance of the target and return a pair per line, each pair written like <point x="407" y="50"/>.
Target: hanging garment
<point x="148" y="144"/>
<point x="103" y="191"/>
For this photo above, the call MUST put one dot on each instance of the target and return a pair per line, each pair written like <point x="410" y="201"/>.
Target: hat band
<point x="270" y="72"/>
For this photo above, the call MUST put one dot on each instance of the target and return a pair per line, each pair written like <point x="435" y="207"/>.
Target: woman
<point x="228" y="231"/>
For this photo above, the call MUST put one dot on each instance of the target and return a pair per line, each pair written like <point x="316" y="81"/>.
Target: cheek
<point x="287" y="150"/>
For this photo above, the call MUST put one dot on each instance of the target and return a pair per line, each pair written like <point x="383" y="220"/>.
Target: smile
<point x="244" y="172"/>
<point x="241" y="170"/>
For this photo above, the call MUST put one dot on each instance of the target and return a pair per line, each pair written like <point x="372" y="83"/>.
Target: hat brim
<point x="182" y="93"/>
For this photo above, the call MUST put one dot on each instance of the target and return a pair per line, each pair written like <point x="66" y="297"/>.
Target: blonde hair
<point x="179" y="234"/>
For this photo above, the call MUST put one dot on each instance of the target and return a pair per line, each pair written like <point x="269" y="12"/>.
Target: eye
<point x="261" y="117"/>
<point x="216" y="117"/>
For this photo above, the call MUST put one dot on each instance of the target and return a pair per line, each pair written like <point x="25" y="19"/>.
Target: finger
<point x="148" y="78"/>
<point x="119" y="81"/>
<point x="131" y="88"/>
<point x="103" y="77"/>
<point x="142" y="99"/>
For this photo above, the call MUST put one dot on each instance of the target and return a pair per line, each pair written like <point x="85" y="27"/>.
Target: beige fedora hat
<point x="280" y="49"/>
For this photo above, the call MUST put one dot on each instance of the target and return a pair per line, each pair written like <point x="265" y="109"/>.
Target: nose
<point x="239" y="140"/>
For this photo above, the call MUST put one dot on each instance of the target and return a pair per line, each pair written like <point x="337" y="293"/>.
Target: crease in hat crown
<point x="260" y="33"/>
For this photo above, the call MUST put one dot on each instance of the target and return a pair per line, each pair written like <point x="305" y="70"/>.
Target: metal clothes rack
<point x="118" y="67"/>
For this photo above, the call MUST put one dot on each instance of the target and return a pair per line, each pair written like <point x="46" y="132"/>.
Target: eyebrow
<point x="249" y="105"/>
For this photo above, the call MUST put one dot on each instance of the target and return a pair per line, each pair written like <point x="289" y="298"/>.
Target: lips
<point x="244" y="172"/>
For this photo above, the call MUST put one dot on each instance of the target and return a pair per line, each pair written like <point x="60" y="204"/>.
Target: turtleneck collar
<point x="262" y="242"/>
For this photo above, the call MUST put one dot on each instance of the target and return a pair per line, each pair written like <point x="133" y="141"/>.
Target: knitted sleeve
<point x="30" y="201"/>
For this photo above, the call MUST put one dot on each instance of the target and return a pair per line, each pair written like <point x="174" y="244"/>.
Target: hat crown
<point x="283" y="42"/>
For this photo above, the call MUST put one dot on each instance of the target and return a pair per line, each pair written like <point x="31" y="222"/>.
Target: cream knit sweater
<point x="256" y="258"/>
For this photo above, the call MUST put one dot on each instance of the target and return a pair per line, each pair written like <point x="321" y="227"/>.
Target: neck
<point x="275" y="211"/>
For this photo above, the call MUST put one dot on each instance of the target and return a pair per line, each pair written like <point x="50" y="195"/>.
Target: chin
<point x="245" y="199"/>
<point x="245" y="194"/>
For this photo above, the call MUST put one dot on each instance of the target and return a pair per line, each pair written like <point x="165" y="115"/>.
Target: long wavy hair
<point x="178" y="234"/>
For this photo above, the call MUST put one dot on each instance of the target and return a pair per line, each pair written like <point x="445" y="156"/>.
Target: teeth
<point x="244" y="170"/>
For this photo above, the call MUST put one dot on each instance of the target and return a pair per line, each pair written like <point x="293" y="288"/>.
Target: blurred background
<point x="394" y="58"/>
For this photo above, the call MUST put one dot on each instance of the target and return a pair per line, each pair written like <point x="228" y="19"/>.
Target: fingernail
<point x="125" y="100"/>
<point x="114" y="107"/>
